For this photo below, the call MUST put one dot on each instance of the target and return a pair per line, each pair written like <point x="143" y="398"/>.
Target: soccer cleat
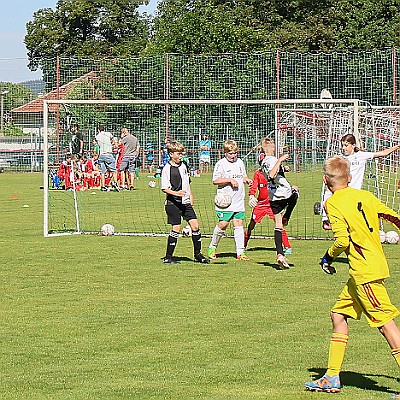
<point x="211" y="253"/>
<point x="282" y="261"/>
<point x="115" y="186"/>
<point x="326" y="226"/>
<point x="132" y="188"/>
<point x="242" y="257"/>
<point x="170" y="260"/>
<point x="329" y="384"/>
<point x="288" y="250"/>
<point x="201" y="259"/>
<point x="395" y="397"/>
<point x="105" y="189"/>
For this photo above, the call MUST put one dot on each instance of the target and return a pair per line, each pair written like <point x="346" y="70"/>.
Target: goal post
<point x="301" y="126"/>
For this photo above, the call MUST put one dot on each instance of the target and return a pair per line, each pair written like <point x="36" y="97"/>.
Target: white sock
<point x="238" y="234"/>
<point x="216" y="237"/>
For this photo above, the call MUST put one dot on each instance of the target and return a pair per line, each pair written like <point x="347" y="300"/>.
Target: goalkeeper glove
<point x="252" y="201"/>
<point x="325" y="264"/>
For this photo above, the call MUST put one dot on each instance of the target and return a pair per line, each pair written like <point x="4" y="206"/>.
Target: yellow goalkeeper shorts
<point x="369" y="298"/>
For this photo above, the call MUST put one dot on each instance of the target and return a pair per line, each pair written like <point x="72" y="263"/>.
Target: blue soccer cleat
<point x="287" y="250"/>
<point x="329" y="384"/>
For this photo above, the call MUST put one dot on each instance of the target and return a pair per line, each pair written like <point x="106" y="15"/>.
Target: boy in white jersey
<point x="358" y="160"/>
<point x="282" y="196"/>
<point x="230" y="176"/>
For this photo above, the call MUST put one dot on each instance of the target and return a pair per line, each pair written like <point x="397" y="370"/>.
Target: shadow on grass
<point x="275" y="265"/>
<point x="188" y="259"/>
<point x="355" y="379"/>
<point x="259" y="248"/>
<point x="221" y="256"/>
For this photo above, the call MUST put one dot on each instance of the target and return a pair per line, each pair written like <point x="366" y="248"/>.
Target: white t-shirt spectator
<point x="104" y="140"/>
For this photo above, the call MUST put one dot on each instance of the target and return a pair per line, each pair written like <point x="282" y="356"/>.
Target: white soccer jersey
<point x="184" y="180"/>
<point x="234" y="170"/>
<point x="358" y="162"/>
<point x="279" y="188"/>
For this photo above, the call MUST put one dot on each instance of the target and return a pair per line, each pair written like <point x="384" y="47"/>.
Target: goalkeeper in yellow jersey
<point x="354" y="216"/>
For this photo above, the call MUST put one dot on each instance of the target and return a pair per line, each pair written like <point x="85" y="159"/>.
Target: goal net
<point x="375" y="129"/>
<point x="309" y="130"/>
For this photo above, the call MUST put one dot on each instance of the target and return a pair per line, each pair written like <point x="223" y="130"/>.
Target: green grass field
<point x="92" y="317"/>
<point x="143" y="211"/>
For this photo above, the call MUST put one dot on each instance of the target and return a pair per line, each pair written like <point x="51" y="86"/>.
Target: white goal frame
<point x="354" y="103"/>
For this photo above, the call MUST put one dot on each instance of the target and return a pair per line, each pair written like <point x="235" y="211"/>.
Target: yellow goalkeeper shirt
<point x="354" y="216"/>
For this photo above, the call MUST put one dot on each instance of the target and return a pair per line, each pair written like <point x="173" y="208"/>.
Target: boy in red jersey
<point x="65" y="172"/>
<point x="92" y="171"/>
<point x="262" y="207"/>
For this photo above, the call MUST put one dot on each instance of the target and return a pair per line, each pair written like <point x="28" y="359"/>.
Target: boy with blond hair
<point x="354" y="215"/>
<point x="175" y="183"/>
<point x="282" y="196"/>
<point x="262" y="207"/>
<point x="230" y="176"/>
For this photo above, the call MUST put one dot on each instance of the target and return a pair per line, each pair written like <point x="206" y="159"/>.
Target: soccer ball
<point x="382" y="236"/>
<point x="152" y="184"/>
<point x="107" y="230"/>
<point x="187" y="231"/>
<point x="222" y="200"/>
<point x="392" y="237"/>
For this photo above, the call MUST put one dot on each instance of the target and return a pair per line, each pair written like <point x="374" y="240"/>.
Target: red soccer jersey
<point x="120" y="154"/>
<point x="65" y="172"/>
<point x="259" y="183"/>
<point x="89" y="166"/>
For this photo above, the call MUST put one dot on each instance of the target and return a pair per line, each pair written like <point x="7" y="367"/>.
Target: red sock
<point x="285" y="239"/>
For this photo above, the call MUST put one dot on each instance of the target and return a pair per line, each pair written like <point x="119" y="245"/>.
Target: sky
<point x="13" y="18"/>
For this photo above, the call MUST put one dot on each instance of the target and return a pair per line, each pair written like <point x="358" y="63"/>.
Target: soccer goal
<point x="309" y="130"/>
<point x="375" y="129"/>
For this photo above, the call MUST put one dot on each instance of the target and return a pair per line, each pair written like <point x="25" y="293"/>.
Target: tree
<point x="87" y="29"/>
<point x="218" y="26"/>
<point x="17" y="95"/>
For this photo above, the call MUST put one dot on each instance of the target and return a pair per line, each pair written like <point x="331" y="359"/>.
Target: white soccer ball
<point x="107" y="230"/>
<point x="392" y="237"/>
<point x="382" y="236"/>
<point x="222" y="200"/>
<point x="187" y="231"/>
<point x="152" y="184"/>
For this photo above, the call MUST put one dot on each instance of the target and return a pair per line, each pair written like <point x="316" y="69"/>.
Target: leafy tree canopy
<point x="17" y="95"/>
<point x="107" y="28"/>
<point x="218" y="26"/>
<point x="86" y="29"/>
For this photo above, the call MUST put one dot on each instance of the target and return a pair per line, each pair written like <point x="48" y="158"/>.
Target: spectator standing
<point x="128" y="162"/>
<point x="106" y="158"/>
<point x="77" y="142"/>
<point x="205" y="154"/>
<point x="149" y="157"/>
